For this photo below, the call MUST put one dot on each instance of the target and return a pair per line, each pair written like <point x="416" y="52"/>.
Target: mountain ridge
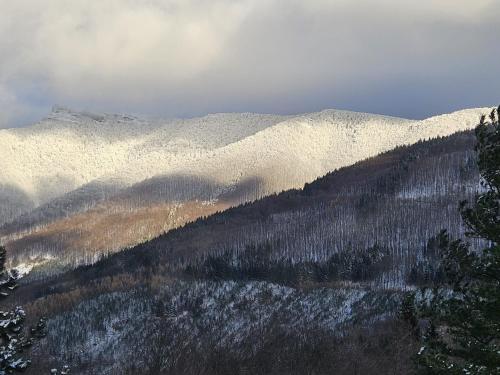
<point x="176" y="171"/>
<point x="45" y="168"/>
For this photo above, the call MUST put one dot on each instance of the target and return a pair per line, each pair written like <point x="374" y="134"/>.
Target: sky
<point x="185" y="58"/>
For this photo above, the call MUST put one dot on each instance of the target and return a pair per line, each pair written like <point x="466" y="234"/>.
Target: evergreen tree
<point x="13" y="341"/>
<point x="463" y="313"/>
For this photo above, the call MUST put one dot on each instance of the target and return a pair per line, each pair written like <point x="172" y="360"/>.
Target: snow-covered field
<point x="68" y="150"/>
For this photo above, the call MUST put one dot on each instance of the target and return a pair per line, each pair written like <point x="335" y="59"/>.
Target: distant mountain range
<point x="78" y="185"/>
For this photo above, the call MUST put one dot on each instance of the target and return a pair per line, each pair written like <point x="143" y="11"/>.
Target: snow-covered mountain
<point x="103" y="182"/>
<point x="68" y="150"/>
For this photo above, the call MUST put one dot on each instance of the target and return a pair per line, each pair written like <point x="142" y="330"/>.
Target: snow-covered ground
<point x="68" y="150"/>
<point x="228" y="313"/>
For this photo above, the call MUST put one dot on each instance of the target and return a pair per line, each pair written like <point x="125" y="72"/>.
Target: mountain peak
<point x="63" y="113"/>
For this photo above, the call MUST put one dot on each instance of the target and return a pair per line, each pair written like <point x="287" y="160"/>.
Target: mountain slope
<point x="301" y="268"/>
<point x="79" y="169"/>
<point x="399" y="191"/>
<point x="68" y="150"/>
<point x="396" y="201"/>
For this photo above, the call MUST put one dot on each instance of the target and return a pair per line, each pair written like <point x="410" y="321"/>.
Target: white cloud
<point x="176" y="57"/>
<point x="83" y="42"/>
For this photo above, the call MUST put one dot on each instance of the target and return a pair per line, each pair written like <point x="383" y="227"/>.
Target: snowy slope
<point x="68" y="150"/>
<point x="301" y="149"/>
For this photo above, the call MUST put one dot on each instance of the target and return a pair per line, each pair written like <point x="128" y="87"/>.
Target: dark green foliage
<point x="13" y="341"/>
<point x="256" y="264"/>
<point x="427" y="271"/>
<point x="463" y="314"/>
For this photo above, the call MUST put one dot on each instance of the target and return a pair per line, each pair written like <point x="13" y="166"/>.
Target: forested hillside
<point x="314" y="269"/>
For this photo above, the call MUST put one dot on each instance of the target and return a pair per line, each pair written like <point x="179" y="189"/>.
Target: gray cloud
<point x="190" y="57"/>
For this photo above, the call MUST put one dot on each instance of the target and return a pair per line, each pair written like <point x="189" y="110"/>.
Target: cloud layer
<point x="190" y="57"/>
